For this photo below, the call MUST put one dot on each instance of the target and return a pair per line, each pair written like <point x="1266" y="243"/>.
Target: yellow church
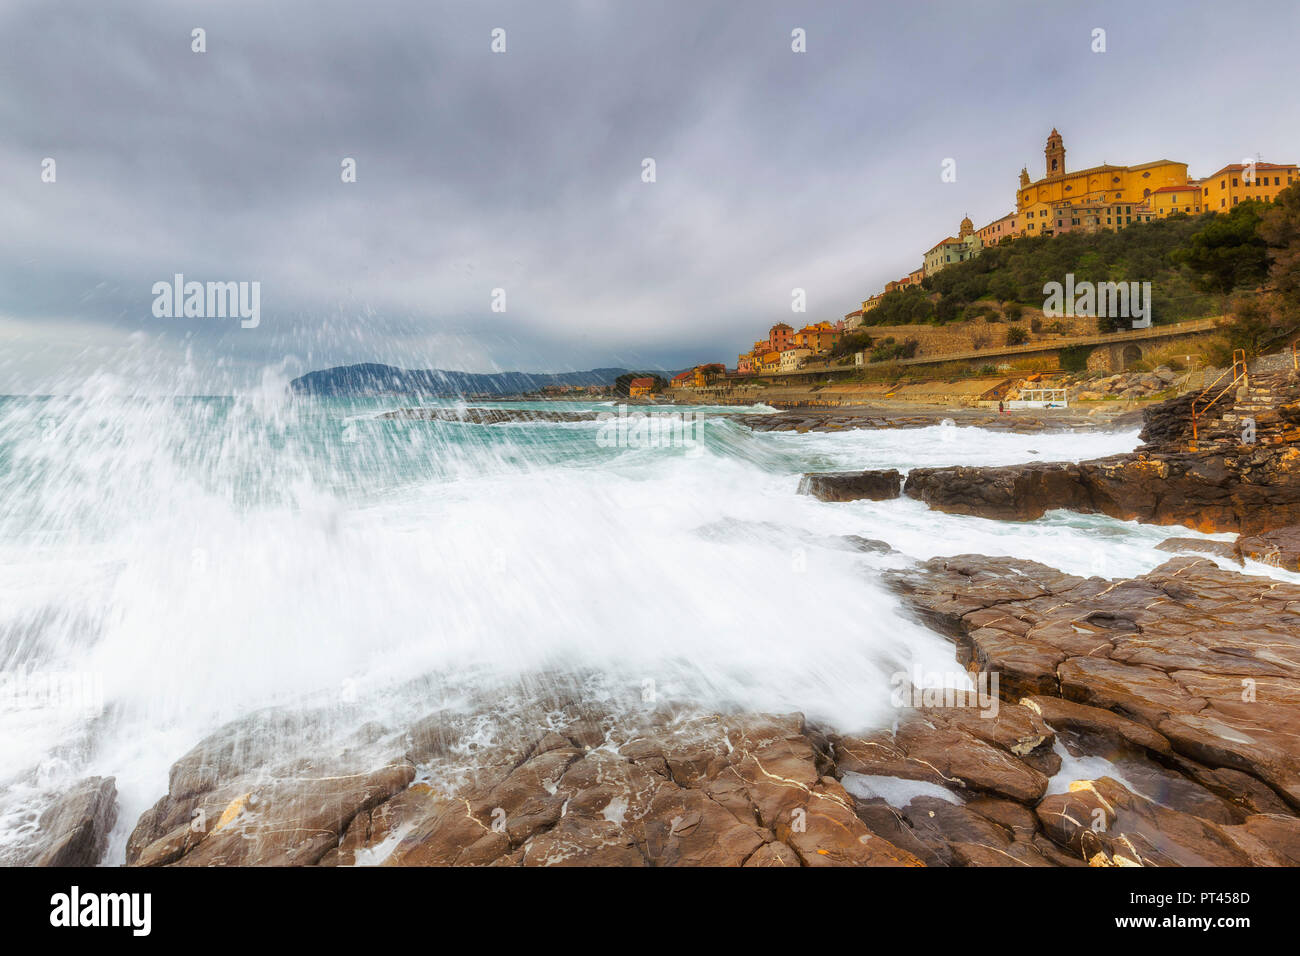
<point x="1117" y="190"/>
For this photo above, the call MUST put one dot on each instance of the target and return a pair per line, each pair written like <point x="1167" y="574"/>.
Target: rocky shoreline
<point x="1145" y="721"/>
<point x="1188" y="730"/>
<point x="809" y="420"/>
<point x="1214" y="481"/>
<point x="1022" y="421"/>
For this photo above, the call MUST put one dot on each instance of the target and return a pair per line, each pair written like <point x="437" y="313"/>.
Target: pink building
<point x="998" y="230"/>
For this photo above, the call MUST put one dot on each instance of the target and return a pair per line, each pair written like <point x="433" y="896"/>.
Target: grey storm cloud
<point x="522" y="170"/>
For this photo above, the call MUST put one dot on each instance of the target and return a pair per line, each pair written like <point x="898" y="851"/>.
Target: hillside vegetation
<point x="1194" y="263"/>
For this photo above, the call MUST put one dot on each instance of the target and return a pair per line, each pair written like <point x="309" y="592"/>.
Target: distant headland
<point x="372" y="379"/>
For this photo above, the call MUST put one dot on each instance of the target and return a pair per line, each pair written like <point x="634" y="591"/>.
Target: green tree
<point x="854" y="341"/>
<point x="1228" y="252"/>
<point x="1002" y="287"/>
<point x="1280" y="229"/>
<point x="1252" y="325"/>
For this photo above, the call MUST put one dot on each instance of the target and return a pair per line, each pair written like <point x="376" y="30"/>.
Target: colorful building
<point x="1098" y="197"/>
<point x="780" y="337"/>
<point x="1038" y="203"/>
<point x="817" y="338"/>
<point x="999" y="230"/>
<point x="1095" y="215"/>
<point x="965" y="245"/>
<point x="1236" y="183"/>
<point x="791" y="359"/>
<point x="683" y="380"/>
<point x="640" y="387"/>
<point x="1167" y="200"/>
<point x="745" y="363"/>
<point x="701" y="374"/>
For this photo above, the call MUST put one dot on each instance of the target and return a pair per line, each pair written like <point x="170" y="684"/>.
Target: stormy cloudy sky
<point x="522" y="170"/>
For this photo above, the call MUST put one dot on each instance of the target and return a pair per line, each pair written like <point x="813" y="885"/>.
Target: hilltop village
<point x="1099" y="198"/>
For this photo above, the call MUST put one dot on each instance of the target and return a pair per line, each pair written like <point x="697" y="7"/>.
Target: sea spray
<point x="207" y="558"/>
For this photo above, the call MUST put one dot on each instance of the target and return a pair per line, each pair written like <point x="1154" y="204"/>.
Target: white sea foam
<point x="208" y="558"/>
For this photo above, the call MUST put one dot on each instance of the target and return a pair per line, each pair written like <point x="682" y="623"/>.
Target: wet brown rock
<point x="891" y="824"/>
<point x="291" y="822"/>
<point x="1009" y="493"/>
<point x="944" y="591"/>
<point x="1206" y="660"/>
<point x="1216" y="484"/>
<point x="1221" y="549"/>
<point x="1243" y="791"/>
<point x="586" y="734"/>
<point x="1197" y="715"/>
<point x="1107" y="824"/>
<point x="235" y="799"/>
<point x="930" y="748"/>
<point x="738" y="790"/>
<point x="973" y="839"/>
<point x="1268" y="839"/>
<point x="73" y="831"/>
<point x="773" y="854"/>
<point x="1061" y="714"/>
<point x="373" y="832"/>
<point x="1250" y="739"/>
<point x="583" y="841"/>
<point x="686" y="828"/>
<point x="428" y="738"/>
<point x="1015" y="818"/>
<point x="852" y="485"/>
<point x="1143" y="693"/>
<point x="1279" y="547"/>
<point x="832" y="835"/>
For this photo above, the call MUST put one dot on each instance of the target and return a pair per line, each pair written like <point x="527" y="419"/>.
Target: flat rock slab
<point x="852" y="485"/>
<point x="1207" y="659"/>
<point x="1220" y="549"/>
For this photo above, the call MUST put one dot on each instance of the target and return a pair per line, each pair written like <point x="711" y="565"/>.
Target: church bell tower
<point x="1055" y="155"/>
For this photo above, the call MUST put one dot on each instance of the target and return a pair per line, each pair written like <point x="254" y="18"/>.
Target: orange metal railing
<point x="1240" y="373"/>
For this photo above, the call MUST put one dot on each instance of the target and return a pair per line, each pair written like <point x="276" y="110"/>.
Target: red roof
<point x="680" y="378"/>
<point x="641" y="383"/>
<point x="1238" y="167"/>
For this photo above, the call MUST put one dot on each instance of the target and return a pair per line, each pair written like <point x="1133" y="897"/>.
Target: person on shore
<point x="1001" y="408"/>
